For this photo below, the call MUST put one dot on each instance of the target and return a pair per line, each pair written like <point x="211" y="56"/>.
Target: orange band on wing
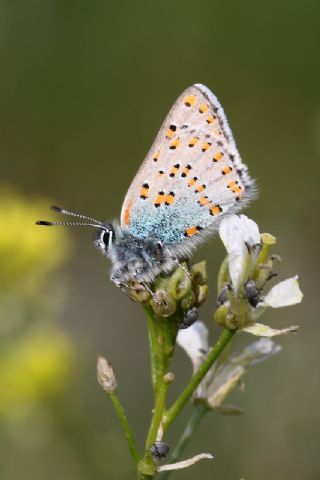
<point x="126" y="215"/>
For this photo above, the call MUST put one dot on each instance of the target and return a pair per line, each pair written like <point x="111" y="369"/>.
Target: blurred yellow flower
<point x="27" y="253"/>
<point x="37" y="366"/>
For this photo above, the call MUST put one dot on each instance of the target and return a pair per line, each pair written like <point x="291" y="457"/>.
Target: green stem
<point x="198" y="413"/>
<point x="153" y="345"/>
<point x="162" y="335"/>
<point x="214" y="353"/>
<point x="125" y="426"/>
<point x="157" y="414"/>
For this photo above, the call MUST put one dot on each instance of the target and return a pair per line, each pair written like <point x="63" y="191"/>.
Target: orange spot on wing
<point x="206" y="146"/>
<point x="210" y="119"/>
<point x="200" y="188"/>
<point x="169" y="199"/>
<point x="186" y="171"/>
<point x="235" y="187"/>
<point x="203" y="108"/>
<point x="215" y="209"/>
<point x="203" y="201"/>
<point x="189" y="100"/>
<point x="174" y="170"/>
<point x="192" y="142"/>
<point x="226" y="170"/>
<point x="175" y="144"/>
<point x="192" y="181"/>
<point x="217" y="156"/>
<point x="144" y="192"/>
<point x="169" y="133"/>
<point x="192" y="231"/>
<point x="159" y="200"/>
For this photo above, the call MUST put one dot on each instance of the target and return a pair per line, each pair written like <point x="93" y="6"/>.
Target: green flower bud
<point x="139" y="294"/>
<point x="188" y="301"/>
<point x="179" y="284"/>
<point x="163" y="304"/>
<point x="201" y="292"/>
<point x="225" y="318"/>
<point x="199" y="273"/>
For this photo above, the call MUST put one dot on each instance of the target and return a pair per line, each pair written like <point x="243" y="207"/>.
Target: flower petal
<point x="225" y="381"/>
<point x="184" y="463"/>
<point x="236" y="232"/>
<point x="194" y="341"/>
<point x="230" y="374"/>
<point x="283" y="294"/>
<point x="260" y="330"/>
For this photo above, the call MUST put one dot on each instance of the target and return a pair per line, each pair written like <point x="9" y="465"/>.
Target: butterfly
<point x="191" y="178"/>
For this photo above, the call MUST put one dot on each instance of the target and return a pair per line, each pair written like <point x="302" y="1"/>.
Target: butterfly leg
<point x="183" y="268"/>
<point x="162" y="248"/>
<point x="137" y="277"/>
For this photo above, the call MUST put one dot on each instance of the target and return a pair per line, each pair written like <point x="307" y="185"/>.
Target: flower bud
<point x="225" y="318"/>
<point x="163" y="304"/>
<point x="179" y="284"/>
<point x="199" y="273"/>
<point x="106" y="376"/>
<point x="201" y="292"/>
<point x="188" y="301"/>
<point x="139" y="294"/>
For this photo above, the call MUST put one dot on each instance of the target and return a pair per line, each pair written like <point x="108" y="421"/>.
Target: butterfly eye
<point x="105" y="238"/>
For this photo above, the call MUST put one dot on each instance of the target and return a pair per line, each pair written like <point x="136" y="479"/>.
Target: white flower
<point x="283" y="294"/>
<point x="260" y="330"/>
<point x="237" y="233"/>
<point x="240" y="235"/>
<point x="228" y="376"/>
<point x="221" y="380"/>
<point x="194" y="341"/>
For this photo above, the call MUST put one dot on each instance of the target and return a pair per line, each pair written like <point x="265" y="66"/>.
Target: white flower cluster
<point x="244" y="244"/>
<point x="241" y="238"/>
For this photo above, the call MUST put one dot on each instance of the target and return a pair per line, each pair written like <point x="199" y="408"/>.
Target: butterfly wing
<point x="192" y="175"/>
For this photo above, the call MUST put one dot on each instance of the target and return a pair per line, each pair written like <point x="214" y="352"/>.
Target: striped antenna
<point x="69" y="224"/>
<point x="73" y="214"/>
<point x="95" y="223"/>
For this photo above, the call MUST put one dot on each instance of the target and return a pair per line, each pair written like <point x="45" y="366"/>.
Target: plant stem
<point x="214" y="353"/>
<point x="157" y="414"/>
<point x="199" y="410"/>
<point x="162" y="335"/>
<point x="125" y="426"/>
<point x="153" y="344"/>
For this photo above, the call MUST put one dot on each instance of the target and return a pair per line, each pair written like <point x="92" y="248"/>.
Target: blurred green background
<point x="84" y="87"/>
